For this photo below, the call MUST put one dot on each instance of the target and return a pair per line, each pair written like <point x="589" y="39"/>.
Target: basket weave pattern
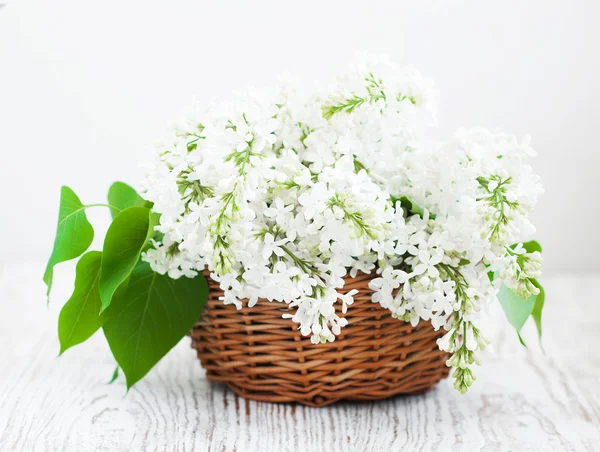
<point x="263" y="357"/>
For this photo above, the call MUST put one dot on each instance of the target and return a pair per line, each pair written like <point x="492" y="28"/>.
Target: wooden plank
<point x="523" y="399"/>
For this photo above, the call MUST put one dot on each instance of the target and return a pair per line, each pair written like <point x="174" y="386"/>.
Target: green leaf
<point x="115" y="375"/>
<point x="538" y="308"/>
<point x="125" y="239"/>
<point x="74" y="233"/>
<point x="151" y="317"/>
<point x="122" y="196"/>
<point x="532" y="246"/>
<point x="80" y="317"/>
<point x="518" y="310"/>
<point x="411" y="206"/>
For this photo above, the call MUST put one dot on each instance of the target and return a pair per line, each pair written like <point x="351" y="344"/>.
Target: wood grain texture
<point x="523" y="400"/>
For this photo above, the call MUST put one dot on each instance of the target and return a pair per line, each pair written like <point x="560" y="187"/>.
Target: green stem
<point x="305" y="266"/>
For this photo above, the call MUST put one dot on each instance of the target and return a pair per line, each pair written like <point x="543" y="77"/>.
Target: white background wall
<point x="87" y="88"/>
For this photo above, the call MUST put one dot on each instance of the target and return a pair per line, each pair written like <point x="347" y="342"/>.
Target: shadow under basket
<point x="261" y="356"/>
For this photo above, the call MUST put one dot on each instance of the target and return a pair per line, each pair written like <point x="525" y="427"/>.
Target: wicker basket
<point x="262" y="356"/>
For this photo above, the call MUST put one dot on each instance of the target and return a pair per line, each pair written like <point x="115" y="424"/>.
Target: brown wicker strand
<point x="263" y="357"/>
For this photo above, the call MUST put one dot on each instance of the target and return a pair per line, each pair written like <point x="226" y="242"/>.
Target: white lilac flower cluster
<point x="282" y="195"/>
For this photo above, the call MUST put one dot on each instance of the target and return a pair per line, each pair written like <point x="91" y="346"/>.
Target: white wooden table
<point x="523" y="400"/>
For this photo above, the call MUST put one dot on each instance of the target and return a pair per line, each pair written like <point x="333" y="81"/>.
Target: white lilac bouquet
<point x="280" y="195"/>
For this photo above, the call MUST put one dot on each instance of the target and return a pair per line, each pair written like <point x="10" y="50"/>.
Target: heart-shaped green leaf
<point x="74" y="233"/>
<point x="122" y="196"/>
<point x="151" y="317"/>
<point x="517" y="309"/>
<point x="80" y="317"/>
<point x="125" y="239"/>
